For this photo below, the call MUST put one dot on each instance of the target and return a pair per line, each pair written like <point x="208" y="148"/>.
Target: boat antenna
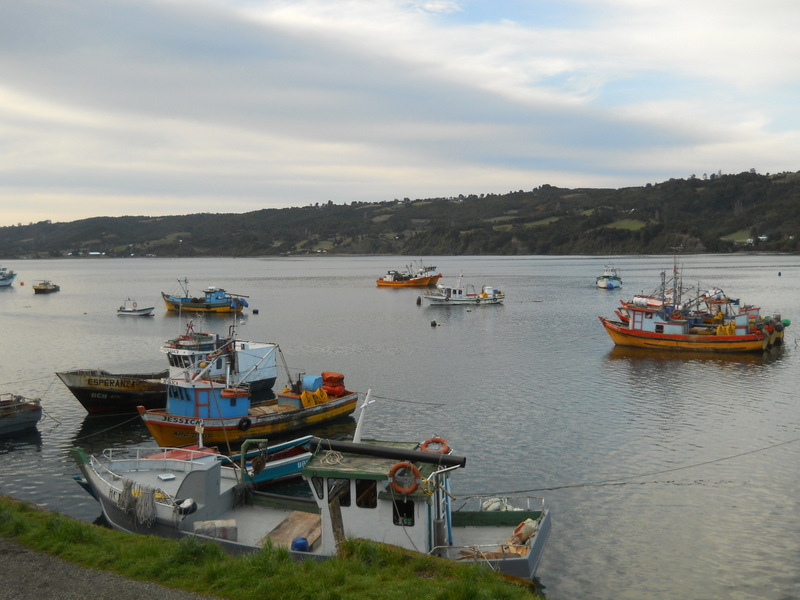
<point x="286" y="367"/>
<point x="184" y="283"/>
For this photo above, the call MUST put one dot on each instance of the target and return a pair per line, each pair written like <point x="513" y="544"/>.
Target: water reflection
<point x="96" y="433"/>
<point x="634" y="355"/>
<point x="22" y="442"/>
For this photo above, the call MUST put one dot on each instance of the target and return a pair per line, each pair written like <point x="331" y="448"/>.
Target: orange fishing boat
<point x="708" y="322"/>
<point x="422" y="276"/>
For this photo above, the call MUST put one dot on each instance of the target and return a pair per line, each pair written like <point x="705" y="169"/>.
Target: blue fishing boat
<point x="213" y="300"/>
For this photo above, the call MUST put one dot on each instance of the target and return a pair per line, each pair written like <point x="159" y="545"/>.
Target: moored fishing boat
<point x="460" y="295"/>
<point x="100" y="391"/>
<point x="213" y="300"/>
<point x="652" y="329"/>
<point x="421" y="276"/>
<point x="260" y="467"/>
<point x="45" y="286"/>
<point x="228" y="414"/>
<point x="709" y="321"/>
<point x="389" y="492"/>
<point x="103" y="392"/>
<point x="6" y="277"/>
<point x="18" y="414"/>
<point x="609" y="279"/>
<point x="224" y="359"/>
<point x="131" y="308"/>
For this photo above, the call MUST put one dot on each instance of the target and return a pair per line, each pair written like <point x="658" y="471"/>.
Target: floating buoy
<point x="434" y="323"/>
<point x="419" y="300"/>
<point x="255" y="311"/>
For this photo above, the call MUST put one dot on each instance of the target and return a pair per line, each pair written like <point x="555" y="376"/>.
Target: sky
<point x="166" y="107"/>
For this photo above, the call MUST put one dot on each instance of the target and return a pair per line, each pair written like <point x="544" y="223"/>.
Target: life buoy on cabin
<point x="444" y="447"/>
<point x="396" y="486"/>
<point x="676" y="314"/>
<point x="244" y="424"/>
<point x="135" y="305"/>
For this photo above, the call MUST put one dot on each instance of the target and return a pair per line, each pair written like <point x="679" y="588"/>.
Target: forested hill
<point x="723" y="213"/>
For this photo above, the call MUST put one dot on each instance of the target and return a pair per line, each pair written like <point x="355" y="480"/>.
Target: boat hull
<point x="608" y="283"/>
<point x="136" y="312"/>
<point x="175" y="303"/>
<point x="468" y="300"/>
<point x="263" y="420"/>
<point x="101" y="392"/>
<point x="621" y="335"/>
<point x="18" y="414"/>
<point x="415" y="282"/>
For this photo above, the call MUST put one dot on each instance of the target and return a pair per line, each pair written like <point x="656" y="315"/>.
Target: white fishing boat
<point x="389" y="492"/>
<point x="459" y="294"/>
<point x="609" y="279"/>
<point x="222" y="358"/>
<point x="18" y="413"/>
<point x="6" y="277"/>
<point x="131" y="308"/>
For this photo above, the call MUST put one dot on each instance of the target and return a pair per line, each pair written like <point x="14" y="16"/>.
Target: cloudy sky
<point x="152" y="107"/>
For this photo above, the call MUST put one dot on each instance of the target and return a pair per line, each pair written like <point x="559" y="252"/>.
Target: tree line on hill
<point x="723" y="213"/>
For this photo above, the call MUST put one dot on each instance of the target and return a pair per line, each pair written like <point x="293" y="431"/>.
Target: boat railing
<point x="178" y="459"/>
<point x="510" y="502"/>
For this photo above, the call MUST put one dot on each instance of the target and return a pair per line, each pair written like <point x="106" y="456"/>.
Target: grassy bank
<point x="364" y="570"/>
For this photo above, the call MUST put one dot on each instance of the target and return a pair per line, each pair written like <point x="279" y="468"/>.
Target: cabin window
<point x="660" y="328"/>
<point x="403" y="513"/>
<point x="366" y="493"/>
<point x="219" y="363"/>
<point x="319" y="489"/>
<point x="341" y="487"/>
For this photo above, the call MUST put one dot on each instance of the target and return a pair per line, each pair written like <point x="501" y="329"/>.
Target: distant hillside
<point x="722" y="213"/>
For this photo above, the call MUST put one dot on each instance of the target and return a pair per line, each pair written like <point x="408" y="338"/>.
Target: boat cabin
<point x="674" y="321"/>
<point x="254" y="363"/>
<point x="380" y="496"/>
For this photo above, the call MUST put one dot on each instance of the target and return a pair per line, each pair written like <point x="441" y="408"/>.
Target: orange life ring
<point x="676" y="314"/>
<point x="393" y="481"/>
<point x="445" y="447"/>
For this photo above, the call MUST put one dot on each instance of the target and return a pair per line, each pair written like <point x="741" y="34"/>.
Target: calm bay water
<point x="668" y="475"/>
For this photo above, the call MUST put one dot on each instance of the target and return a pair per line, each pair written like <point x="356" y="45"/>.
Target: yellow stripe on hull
<point x="195" y="307"/>
<point x="183" y="433"/>
<point x="622" y="336"/>
<point x="424" y="282"/>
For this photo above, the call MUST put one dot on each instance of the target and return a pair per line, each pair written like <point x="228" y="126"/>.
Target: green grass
<point x="364" y="570"/>
<point x="737" y="236"/>
<point x="629" y="224"/>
